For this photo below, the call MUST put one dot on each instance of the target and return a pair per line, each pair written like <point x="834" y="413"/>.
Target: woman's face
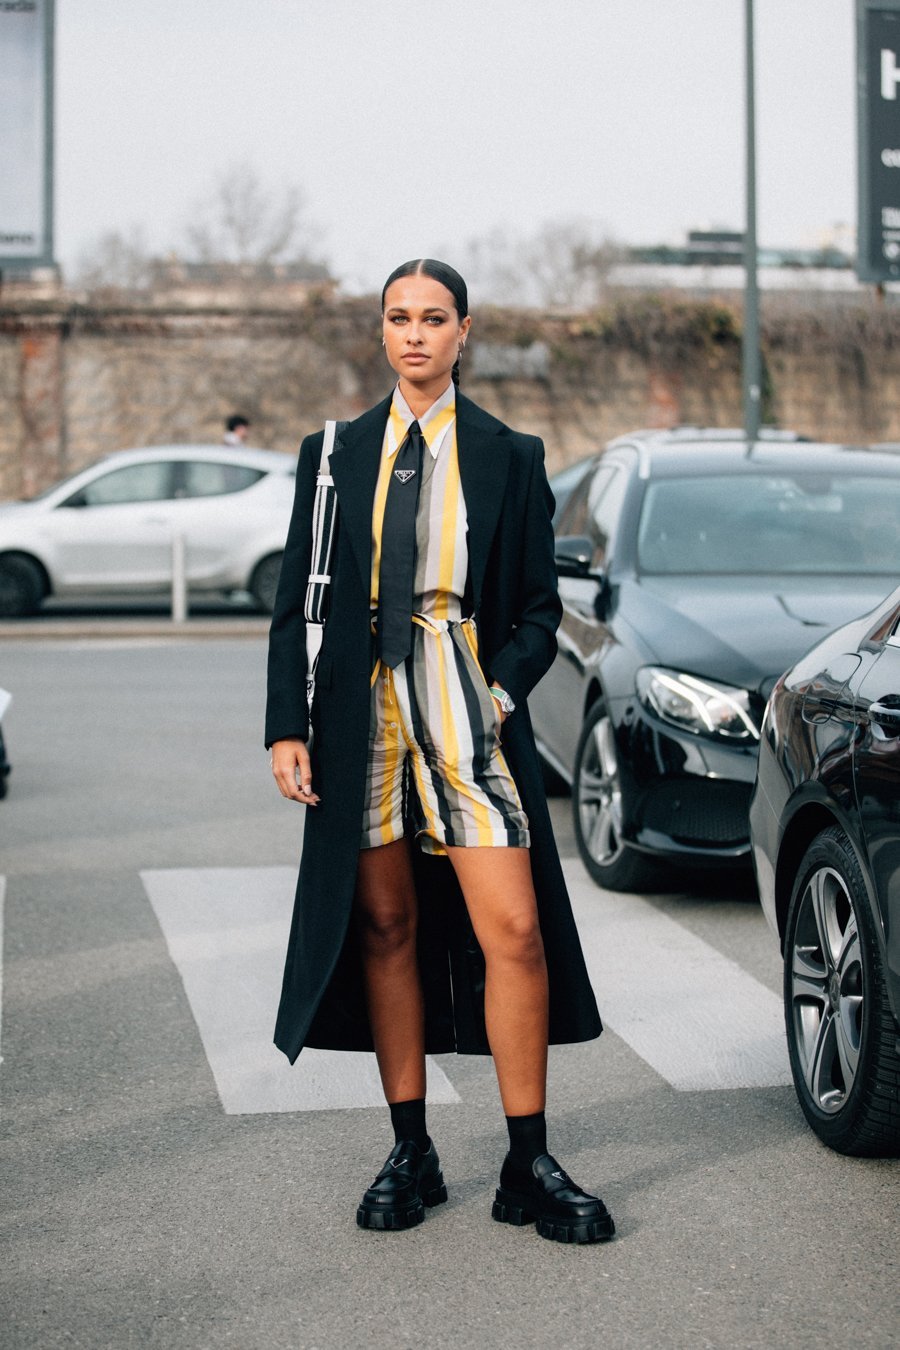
<point x="422" y="330"/>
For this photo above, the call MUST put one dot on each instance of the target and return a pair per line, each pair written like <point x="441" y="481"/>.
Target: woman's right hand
<point x="292" y="771"/>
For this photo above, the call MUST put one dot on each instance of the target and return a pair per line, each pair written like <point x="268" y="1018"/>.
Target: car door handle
<point x="887" y="717"/>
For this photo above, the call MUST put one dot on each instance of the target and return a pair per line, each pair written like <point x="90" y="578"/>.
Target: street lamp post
<point x="750" y="352"/>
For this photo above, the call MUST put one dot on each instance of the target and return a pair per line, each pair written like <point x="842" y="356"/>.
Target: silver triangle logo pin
<point x="404" y="474"/>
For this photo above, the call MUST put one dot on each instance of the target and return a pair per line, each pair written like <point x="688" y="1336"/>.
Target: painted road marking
<point x="2" y="900"/>
<point x="691" y="1013"/>
<point x="226" y="930"/>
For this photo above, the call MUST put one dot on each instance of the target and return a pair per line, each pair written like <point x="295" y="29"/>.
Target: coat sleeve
<point x="529" y="653"/>
<point x="287" y="714"/>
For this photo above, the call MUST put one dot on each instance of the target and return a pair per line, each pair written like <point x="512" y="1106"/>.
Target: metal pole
<point x="751" y="358"/>
<point x="179" y="578"/>
<point x="49" y="131"/>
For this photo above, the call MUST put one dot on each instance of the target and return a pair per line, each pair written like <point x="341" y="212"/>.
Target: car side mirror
<point x="573" y="555"/>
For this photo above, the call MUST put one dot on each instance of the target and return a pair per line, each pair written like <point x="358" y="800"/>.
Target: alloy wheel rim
<point x="827" y="993"/>
<point x="600" y="796"/>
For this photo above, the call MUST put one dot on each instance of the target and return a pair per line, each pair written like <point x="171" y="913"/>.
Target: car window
<point x="576" y="514"/>
<point x="150" y="482"/>
<point x="604" y="502"/>
<point x="771" y="523"/>
<point x="209" y="478"/>
<point x="563" y="484"/>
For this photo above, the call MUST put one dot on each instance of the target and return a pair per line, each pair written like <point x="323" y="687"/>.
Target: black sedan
<point x="825" y="824"/>
<point x="694" y="569"/>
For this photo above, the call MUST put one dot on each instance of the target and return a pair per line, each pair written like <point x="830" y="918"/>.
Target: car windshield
<point x="62" y="482"/>
<point x="779" y="523"/>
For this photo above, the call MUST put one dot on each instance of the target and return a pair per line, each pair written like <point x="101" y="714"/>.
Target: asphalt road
<point x="169" y="1181"/>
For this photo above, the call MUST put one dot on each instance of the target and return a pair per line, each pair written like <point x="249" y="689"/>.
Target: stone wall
<point x="78" y="381"/>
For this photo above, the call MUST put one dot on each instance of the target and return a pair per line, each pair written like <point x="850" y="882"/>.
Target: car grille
<point x="703" y="811"/>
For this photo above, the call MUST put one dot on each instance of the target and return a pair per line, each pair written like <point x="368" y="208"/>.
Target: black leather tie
<point x="397" y="572"/>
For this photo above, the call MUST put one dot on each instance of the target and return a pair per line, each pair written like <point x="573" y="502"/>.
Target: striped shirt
<point x="442" y="553"/>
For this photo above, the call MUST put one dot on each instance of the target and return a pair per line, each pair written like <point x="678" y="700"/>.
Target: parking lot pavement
<point x="168" y="1179"/>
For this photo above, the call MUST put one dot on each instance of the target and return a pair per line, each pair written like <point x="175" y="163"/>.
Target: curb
<point x="44" y="630"/>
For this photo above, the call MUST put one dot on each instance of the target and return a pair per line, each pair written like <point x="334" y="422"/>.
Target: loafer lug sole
<point x="516" y="1210"/>
<point x="391" y="1220"/>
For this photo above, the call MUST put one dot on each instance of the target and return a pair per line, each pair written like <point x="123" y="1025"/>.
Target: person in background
<point x="237" y="428"/>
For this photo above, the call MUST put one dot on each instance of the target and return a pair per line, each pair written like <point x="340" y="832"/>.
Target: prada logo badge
<point x="398" y="1164"/>
<point x="404" y="474"/>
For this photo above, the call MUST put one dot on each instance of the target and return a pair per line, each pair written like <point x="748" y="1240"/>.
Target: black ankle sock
<point x="527" y="1137"/>
<point x="408" y="1120"/>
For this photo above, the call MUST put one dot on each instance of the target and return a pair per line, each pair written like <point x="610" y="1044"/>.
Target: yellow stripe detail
<point x="392" y="759"/>
<point x="451" y="743"/>
<point x="437" y="424"/>
<point x="468" y="631"/>
<point x="449" y="517"/>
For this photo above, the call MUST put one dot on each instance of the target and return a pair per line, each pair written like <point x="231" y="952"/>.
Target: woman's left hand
<point x="503" y="715"/>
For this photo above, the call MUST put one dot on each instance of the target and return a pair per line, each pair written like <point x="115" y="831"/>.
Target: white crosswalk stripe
<point x="2" y="899"/>
<point x="226" y="930"/>
<point x="691" y="1013"/>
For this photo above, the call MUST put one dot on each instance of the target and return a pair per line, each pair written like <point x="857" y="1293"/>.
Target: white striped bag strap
<point x="323" y="532"/>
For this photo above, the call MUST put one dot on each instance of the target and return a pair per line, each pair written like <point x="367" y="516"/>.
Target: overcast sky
<point x="423" y="124"/>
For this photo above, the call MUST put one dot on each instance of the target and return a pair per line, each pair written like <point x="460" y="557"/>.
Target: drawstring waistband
<point x="430" y="625"/>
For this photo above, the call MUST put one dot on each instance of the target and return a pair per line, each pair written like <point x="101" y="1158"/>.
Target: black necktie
<point x="397" y="572"/>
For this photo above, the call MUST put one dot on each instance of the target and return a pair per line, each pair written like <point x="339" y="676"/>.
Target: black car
<point x="825" y="825"/>
<point x="694" y="569"/>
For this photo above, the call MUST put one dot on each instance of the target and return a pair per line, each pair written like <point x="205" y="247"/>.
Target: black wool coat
<point x="512" y="585"/>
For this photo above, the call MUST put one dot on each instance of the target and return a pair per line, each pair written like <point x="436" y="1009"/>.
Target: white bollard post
<point x="179" y="579"/>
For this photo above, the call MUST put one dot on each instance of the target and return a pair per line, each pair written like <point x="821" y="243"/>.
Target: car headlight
<point x="717" y="710"/>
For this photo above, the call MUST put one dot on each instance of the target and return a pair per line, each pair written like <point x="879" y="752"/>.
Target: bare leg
<point x="499" y="895"/>
<point x="386" y="917"/>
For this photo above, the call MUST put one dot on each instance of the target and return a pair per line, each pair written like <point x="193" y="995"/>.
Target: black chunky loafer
<point x="546" y="1196"/>
<point x="408" y="1182"/>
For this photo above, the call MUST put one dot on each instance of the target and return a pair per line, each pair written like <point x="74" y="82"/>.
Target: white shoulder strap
<point x="323" y="475"/>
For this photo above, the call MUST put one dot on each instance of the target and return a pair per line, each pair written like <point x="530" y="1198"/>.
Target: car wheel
<point x="841" y="1035"/>
<point x="597" y="809"/>
<point x="264" y="583"/>
<point x="21" y="586"/>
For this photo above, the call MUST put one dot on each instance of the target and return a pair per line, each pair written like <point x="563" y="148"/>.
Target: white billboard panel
<point x="24" y="133"/>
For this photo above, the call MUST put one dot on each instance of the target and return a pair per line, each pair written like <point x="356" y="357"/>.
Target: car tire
<point x="597" y="810"/>
<point x="264" y="582"/>
<point x="842" y="1037"/>
<point x="21" y="586"/>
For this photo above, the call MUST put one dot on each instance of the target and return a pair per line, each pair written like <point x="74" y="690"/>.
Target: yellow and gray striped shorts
<point x="434" y="749"/>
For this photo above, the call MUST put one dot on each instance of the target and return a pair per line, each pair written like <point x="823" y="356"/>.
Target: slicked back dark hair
<point x="438" y="271"/>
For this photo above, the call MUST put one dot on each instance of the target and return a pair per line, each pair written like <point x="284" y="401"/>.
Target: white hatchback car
<point x="110" y="528"/>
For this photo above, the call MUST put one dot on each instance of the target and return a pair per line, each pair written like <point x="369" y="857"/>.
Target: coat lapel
<point x="483" y="468"/>
<point x="355" y="461"/>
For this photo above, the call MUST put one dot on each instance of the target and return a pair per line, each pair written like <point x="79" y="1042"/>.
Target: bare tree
<point x="243" y="230"/>
<point x="563" y="263"/>
<point x="118" y="261"/>
<point x="245" y="222"/>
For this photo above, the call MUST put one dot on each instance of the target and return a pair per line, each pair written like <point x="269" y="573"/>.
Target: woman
<point x="431" y="911"/>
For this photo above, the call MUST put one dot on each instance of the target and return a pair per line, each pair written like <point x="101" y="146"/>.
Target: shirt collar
<point x="434" y="424"/>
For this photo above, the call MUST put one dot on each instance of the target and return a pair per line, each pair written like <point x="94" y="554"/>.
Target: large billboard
<point x="878" y="83"/>
<point x="26" y="132"/>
